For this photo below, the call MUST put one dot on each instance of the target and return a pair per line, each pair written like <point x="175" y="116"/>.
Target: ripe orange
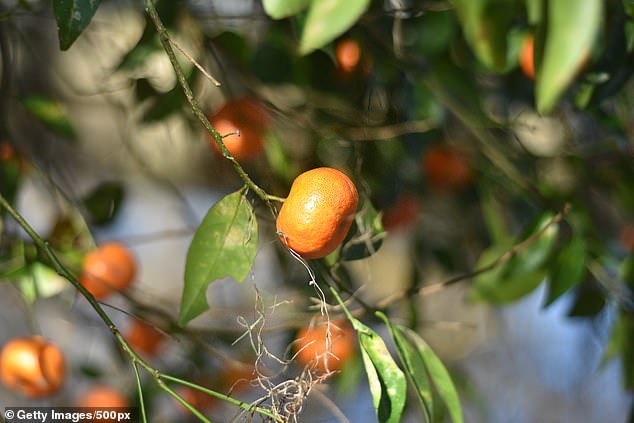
<point x="312" y="349"/>
<point x="32" y="366"/>
<point x="318" y="212"/>
<point x="103" y="396"/>
<point x="144" y="338"/>
<point x="348" y="54"/>
<point x="250" y="118"/>
<point x="527" y="61"/>
<point x="109" y="268"/>
<point x="446" y="168"/>
<point x="402" y="213"/>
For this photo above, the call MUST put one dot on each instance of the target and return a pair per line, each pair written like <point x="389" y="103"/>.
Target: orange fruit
<point x="247" y="116"/>
<point x="446" y="168"/>
<point x="237" y="378"/>
<point x="527" y="61"/>
<point x="318" y="212"/>
<point x="312" y="349"/>
<point x="627" y="237"/>
<point x="199" y="400"/>
<point x="109" y="268"/>
<point x="348" y="55"/>
<point x="144" y="338"/>
<point x="103" y="396"/>
<point x="6" y="152"/>
<point x="402" y="213"/>
<point x="32" y="366"/>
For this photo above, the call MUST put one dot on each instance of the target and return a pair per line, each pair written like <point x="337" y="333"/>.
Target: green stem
<point x="200" y="115"/>
<point x="185" y="404"/>
<point x="140" y="390"/>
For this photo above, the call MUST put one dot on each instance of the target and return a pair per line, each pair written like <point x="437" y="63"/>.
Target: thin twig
<point x="370" y="133"/>
<point x="195" y="63"/>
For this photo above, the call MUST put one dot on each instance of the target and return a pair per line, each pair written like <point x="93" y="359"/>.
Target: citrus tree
<point x="497" y="134"/>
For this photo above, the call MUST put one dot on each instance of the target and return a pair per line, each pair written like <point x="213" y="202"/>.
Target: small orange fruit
<point x="6" y="152"/>
<point x="318" y="212"/>
<point x="103" y="396"/>
<point x="109" y="268"/>
<point x="446" y="168"/>
<point x="237" y="378"/>
<point x="527" y="60"/>
<point x="312" y="349"/>
<point x="32" y="366"/>
<point x="402" y="213"/>
<point x="627" y="237"/>
<point x="247" y="116"/>
<point x="144" y="338"/>
<point x="348" y="54"/>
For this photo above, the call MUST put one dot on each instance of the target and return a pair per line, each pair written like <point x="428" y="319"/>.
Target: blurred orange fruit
<point x="103" y="396"/>
<point x="32" y="366"/>
<point x="404" y="211"/>
<point x="109" y="268"/>
<point x="247" y="116"/>
<point x="237" y="378"/>
<point x="6" y="152"/>
<point x="348" y="54"/>
<point x="318" y="212"/>
<point x="627" y="237"/>
<point x="144" y="338"/>
<point x="446" y="168"/>
<point x="199" y="400"/>
<point x="312" y="346"/>
<point x="527" y="61"/>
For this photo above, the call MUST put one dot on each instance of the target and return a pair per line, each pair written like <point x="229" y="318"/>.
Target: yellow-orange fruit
<point x="109" y="268"/>
<point x="527" y="61"/>
<point x="144" y="338"/>
<point x="32" y="366"/>
<point x="247" y="116"/>
<point x="318" y="212"/>
<point x="446" y="168"/>
<point x="103" y="396"/>
<point x="312" y="349"/>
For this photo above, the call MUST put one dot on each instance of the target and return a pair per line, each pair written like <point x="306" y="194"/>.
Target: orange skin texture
<point x="527" y="62"/>
<point x="446" y="168"/>
<point x="312" y="351"/>
<point x="109" y="268"/>
<point x="318" y="212"/>
<point x="250" y="118"/>
<point x="103" y="396"/>
<point x="402" y="213"/>
<point x="32" y="366"/>
<point x="144" y="338"/>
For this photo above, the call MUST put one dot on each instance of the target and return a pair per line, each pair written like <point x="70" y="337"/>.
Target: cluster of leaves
<point x="453" y="66"/>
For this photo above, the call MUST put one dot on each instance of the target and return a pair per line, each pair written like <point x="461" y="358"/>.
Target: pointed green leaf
<point x="278" y="9"/>
<point x="414" y="368"/>
<point x="327" y="19"/>
<point x="224" y="245"/>
<point x="387" y="381"/>
<point x="568" y="269"/>
<point x="572" y="27"/>
<point x="72" y="17"/>
<point x="486" y="24"/>
<point x="51" y="113"/>
<point x="522" y="273"/>
<point x="437" y="373"/>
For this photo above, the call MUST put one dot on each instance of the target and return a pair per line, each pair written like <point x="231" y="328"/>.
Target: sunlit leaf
<point x="486" y="24"/>
<point x="568" y="268"/>
<point x="438" y="373"/>
<point x="51" y="113"/>
<point x="328" y="19"/>
<point x="72" y="17"/>
<point x="414" y="368"/>
<point x="278" y="9"/>
<point x="224" y="245"/>
<point x="572" y="27"/>
<point x="387" y="381"/>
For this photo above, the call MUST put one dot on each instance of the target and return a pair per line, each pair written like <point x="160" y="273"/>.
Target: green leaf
<point x="568" y="268"/>
<point x="366" y="234"/>
<point x="522" y="273"/>
<point x="72" y="17"/>
<point x="572" y="27"/>
<point x="534" y="11"/>
<point x="387" y="381"/>
<point x="327" y="19"/>
<point x="486" y="24"/>
<point x="437" y="373"/>
<point x="51" y="113"/>
<point x="414" y="368"/>
<point x="278" y="9"/>
<point x="103" y="202"/>
<point x="224" y="245"/>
